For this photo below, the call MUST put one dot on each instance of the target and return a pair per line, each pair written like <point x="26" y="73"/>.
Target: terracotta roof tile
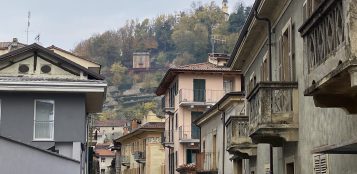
<point x="202" y="67"/>
<point x="104" y="152"/>
<point x="110" y="123"/>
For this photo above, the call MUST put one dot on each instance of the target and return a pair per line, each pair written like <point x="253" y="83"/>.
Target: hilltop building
<point x="141" y="60"/>
<point x="225" y="9"/>
<point x="108" y="130"/>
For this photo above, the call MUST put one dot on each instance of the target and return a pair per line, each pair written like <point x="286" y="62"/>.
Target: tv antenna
<point x="219" y="39"/>
<point x="28" y="26"/>
<point x="37" y="38"/>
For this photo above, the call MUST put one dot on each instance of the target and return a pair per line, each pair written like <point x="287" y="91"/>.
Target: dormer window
<point x="24" y="68"/>
<point x="46" y="69"/>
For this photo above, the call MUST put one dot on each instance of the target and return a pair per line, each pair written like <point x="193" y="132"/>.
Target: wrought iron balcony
<point x="166" y="106"/>
<point x="189" y="134"/>
<point x="207" y="162"/>
<point x="330" y="42"/>
<point x="125" y="160"/>
<point x="238" y="141"/>
<point x="167" y="139"/>
<point x="273" y="112"/>
<point x="199" y="97"/>
<point x="140" y="156"/>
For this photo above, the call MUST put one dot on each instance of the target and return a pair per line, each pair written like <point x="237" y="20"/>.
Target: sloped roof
<point x="37" y="148"/>
<point x="110" y="123"/>
<point x="73" y="54"/>
<point x="105" y="152"/>
<point x="5" y="45"/>
<point x="143" y="128"/>
<point x="38" y="48"/>
<point x="206" y="67"/>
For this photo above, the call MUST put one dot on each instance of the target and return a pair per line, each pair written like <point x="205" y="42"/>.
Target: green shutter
<point x="199" y="90"/>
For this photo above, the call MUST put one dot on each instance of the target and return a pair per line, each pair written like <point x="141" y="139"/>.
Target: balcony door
<point x="195" y="130"/>
<point x="199" y="90"/>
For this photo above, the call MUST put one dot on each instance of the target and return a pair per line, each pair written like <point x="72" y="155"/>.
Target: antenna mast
<point x="28" y="26"/>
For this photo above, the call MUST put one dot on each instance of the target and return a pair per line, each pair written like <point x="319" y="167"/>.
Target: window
<point x="102" y="159"/>
<point x="102" y="171"/>
<point x="264" y="70"/>
<point x="290" y="168"/>
<point x="320" y="164"/>
<point x="112" y="128"/>
<point x="228" y="85"/>
<point x="199" y="90"/>
<point x="286" y="58"/>
<point x="252" y="82"/>
<point x="44" y="119"/>
<point x="176" y="120"/>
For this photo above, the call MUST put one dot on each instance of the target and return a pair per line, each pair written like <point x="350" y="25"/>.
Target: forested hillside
<point x="181" y="38"/>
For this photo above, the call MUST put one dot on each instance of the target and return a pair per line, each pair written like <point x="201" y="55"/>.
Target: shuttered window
<point x="264" y="70"/>
<point x="320" y="163"/>
<point x="286" y="54"/>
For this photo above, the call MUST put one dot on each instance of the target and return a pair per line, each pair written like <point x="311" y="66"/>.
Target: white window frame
<point x="34" y="121"/>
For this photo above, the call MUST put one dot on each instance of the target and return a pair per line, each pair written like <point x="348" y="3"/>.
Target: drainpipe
<point x="224" y="136"/>
<point x="267" y="20"/>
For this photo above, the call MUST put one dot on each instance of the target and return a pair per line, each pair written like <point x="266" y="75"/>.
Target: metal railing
<point x="189" y="132"/>
<point x="269" y="101"/>
<point x="207" y="161"/>
<point x="200" y="95"/>
<point x="167" y="137"/>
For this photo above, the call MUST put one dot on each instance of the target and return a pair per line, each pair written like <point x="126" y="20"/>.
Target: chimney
<point x="219" y="59"/>
<point x="134" y="124"/>
<point x="14" y="44"/>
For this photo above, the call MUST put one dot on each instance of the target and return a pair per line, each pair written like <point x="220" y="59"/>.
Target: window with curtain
<point x="44" y="120"/>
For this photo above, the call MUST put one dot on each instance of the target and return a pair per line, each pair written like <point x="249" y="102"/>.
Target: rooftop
<point x="110" y="123"/>
<point x="205" y="67"/>
<point x="105" y="152"/>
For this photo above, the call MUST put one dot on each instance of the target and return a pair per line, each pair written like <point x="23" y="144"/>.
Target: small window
<point x="44" y="119"/>
<point x="112" y="128"/>
<point x="320" y="164"/>
<point x="24" y="68"/>
<point x="102" y="159"/>
<point x="45" y="69"/>
<point x="102" y="171"/>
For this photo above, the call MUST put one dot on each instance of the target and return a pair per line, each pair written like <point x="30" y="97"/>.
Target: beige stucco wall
<point x="155" y="154"/>
<point x="56" y="72"/>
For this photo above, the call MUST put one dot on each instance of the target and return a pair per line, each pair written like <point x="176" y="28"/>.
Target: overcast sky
<point x="65" y="23"/>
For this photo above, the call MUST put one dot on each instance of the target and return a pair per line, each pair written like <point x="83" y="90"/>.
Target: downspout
<point x="224" y="136"/>
<point x="267" y="20"/>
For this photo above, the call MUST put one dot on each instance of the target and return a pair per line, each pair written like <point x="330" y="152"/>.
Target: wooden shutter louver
<point x="320" y="164"/>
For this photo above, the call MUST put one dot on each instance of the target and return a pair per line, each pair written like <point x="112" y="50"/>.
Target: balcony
<point x="167" y="139"/>
<point x="199" y="97"/>
<point x="238" y="141"/>
<point x="140" y="156"/>
<point x="273" y="113"/>
<point x="167" y="106"/>
<point x="331" y="55"/>
<point x="125" y="161"/>
<point x="189" y="134"/>
<point x="207" y="163"/>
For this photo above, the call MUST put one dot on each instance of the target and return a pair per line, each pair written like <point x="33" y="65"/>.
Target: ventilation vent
<point x="24" y="68"/>
<point x="45" y="69"/>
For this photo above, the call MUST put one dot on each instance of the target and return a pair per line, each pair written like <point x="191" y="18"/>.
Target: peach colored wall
<point x="214" y="81"/>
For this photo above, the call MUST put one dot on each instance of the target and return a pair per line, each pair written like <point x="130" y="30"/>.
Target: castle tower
<point x="225" y="8"/>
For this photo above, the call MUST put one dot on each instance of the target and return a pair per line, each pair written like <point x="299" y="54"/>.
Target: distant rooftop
<point x="110" y="123"/>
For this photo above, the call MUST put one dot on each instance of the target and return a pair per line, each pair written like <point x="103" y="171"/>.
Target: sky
<point x="65" y="23"/>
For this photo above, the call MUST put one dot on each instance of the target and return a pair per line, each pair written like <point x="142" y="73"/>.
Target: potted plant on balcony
<point x="187" y="168"/>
